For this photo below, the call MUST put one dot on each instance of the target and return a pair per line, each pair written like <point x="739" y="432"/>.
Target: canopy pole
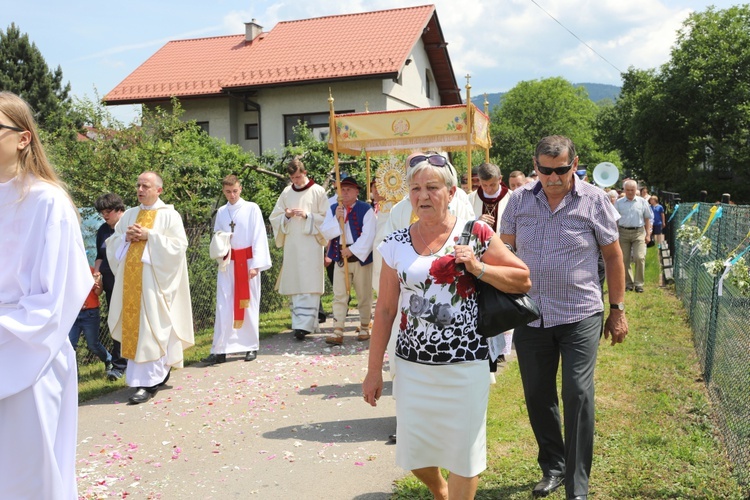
<point x="334" y="136"/>
<point x="369" y="177"/>
<point x="489" y="137"/>
<point x="469" y="120"/>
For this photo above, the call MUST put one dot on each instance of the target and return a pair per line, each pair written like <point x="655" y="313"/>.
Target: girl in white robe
<point x="43" y="284"/>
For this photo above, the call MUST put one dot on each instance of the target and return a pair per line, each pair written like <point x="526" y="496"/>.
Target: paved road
<point x="290" y="425"/>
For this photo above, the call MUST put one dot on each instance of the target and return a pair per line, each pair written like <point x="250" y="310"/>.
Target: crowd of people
<point x="425" y="317"/>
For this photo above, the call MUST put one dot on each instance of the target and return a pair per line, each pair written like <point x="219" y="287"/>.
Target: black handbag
<point x="499" y="311"/>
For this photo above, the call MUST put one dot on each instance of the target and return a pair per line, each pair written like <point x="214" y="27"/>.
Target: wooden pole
<point x="469" y="120"/>
<point x="489" y="138"/>
<point x="334" y="136"/>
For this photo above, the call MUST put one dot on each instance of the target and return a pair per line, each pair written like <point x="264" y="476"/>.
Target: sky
<point x="498" y="42"/>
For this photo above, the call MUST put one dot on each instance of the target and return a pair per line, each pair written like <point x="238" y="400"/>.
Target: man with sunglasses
<point x="559" y="225"/>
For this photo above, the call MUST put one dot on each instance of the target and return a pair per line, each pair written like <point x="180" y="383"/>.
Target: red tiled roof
<point x="349" y="46"/>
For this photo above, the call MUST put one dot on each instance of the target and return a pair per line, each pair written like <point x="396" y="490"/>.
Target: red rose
<point x="402" y="325"/>
<point x="443" y="270"/>
<point x="482" y="232"/>
<point x="466" y="285"/>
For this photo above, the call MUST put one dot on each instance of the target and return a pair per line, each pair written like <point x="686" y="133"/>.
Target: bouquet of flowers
<point x="739" y="276"/>
<point x="689" y="235"/>
<point x="714" y="267"/>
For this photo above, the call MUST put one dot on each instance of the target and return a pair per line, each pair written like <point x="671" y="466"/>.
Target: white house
<point x="252" y="89"/>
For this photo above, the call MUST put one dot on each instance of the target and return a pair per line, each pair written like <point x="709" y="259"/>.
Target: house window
<point x="203" y="126"/>
<point x="316" y="122"/>
<point x="428" y="79"/>
<point x="251" y="131"/>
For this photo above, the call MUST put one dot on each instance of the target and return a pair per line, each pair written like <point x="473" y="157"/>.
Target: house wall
<point x="227" y="116"/>
<point x="411" y="92"/>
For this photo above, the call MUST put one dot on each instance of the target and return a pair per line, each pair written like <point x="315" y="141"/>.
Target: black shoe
<point x="166" y="379"/>
<point x="213" y="359"/>
<point x="300" y="334"/>
<point x="142" y="395"/>
<point x="547" y="485"/>
<point x="501" y="358"/>
<point x="639" y="289"/>
<point x="322" y="317"/>
<point x="628" y="288"/>
<point x="251" y="355"/>
<point x="391" y="438"/>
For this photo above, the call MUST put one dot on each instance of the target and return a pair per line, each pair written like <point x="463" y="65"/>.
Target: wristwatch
<point x="620" y="306"/>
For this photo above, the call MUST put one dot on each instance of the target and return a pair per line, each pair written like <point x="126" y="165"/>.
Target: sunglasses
<point x="9" y="127"/>
<point x="559" y="170"/>
<point x="434" y="160"/>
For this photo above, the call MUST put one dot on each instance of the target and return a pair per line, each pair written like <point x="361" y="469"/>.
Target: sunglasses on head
<point x="434" y="160"/>
<point x="10" y="127"/>
<point x="559" y="170"/>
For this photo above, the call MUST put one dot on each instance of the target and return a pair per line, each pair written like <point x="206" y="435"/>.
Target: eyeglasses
<point x="559" y="170"/>
<point x="9" y="127"/>
<point x="434" y="160"/>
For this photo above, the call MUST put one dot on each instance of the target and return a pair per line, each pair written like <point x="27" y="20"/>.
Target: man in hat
<point x="360" y="225"/>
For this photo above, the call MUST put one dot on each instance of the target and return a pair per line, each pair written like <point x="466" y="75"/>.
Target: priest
<point x="491" y="197"/>
<point x="296" y="220"/>
<point x="151" y="312"/>
<point x="240" y="246"/>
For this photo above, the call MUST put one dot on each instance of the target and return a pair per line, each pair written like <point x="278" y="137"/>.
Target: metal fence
<point x="719" y="314"/>
<point x="202" y="271"/>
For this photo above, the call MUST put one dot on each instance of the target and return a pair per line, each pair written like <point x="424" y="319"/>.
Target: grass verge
<point x="655" y="433"/>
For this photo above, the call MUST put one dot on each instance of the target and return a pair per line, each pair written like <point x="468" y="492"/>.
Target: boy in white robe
<point x="296" y="220"/>
<point x="237" y="303"/>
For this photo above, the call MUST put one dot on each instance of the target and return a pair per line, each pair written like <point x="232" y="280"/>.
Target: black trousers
<point x="539" y="352"/>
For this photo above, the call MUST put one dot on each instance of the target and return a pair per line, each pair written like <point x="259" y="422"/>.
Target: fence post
<point x="725" y="198"/>
<point x="713" y="315"/>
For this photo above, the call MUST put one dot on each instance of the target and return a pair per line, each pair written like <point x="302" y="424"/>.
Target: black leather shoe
<point x="251" y="355"/>
<point x="140" y="396"/>
<point x="213" y="359"/>
<point x="300" y="334"/>
<point x="391" y="438"/>
<point x="322" y="317"/>
<point x="166" y="379"/>
<point x="547" y="485"/>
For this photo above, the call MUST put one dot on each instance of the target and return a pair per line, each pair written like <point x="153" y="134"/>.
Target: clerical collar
<point x="158" y="204"/>
<point x="492" y="199"/>
<point x="310" y="182"/>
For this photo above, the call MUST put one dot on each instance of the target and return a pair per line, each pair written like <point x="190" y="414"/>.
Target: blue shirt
<point x="657" y="210"/>
<point x="561" y="248"/>
<point x="633" y="213"/>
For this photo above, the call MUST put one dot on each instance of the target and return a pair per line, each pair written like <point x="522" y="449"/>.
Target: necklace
<point x="419" y="232"/>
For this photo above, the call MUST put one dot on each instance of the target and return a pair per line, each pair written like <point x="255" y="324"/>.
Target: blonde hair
<point x="32" y="158"/>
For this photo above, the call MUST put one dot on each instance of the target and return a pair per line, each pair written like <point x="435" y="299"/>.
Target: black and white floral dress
<point x="442" y="381"/>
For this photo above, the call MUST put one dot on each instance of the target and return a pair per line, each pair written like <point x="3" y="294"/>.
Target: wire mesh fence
<point x="717" y="299"/>
<point x="202" y="272"/>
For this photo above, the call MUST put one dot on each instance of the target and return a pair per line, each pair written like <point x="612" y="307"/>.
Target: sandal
<point x="363" y="333"/>
<point x="337" y="338"/>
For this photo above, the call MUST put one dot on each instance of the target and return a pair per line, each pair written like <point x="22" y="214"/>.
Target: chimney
<point x="252" y="30"/>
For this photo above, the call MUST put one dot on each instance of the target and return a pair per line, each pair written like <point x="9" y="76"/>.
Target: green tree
<point x="686" y="126"/>
<point x="24" y="72"/>
<point x="535" y="109"/>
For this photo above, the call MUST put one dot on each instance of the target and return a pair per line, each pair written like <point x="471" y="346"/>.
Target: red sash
<point x="241" y="283"/>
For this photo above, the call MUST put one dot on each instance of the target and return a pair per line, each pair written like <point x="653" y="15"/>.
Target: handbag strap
<point x="464" y="240"/>
<point x="466" y="234"/>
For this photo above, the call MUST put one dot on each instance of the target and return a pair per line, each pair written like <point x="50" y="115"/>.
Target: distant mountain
<point x="596" y="91"/>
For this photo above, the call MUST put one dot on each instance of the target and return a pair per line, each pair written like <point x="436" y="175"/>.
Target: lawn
<point x="656" y="435"/>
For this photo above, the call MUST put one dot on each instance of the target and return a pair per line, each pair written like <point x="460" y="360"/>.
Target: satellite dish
<point x="606" y="174"/>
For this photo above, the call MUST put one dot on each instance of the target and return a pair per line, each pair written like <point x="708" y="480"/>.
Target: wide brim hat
<point x="350" y="181"/>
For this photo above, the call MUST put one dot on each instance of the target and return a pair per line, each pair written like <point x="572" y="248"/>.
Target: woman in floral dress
<point x="442" y="363"/>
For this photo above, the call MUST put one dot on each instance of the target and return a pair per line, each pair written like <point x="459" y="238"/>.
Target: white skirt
<point x="441" y="416"/>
